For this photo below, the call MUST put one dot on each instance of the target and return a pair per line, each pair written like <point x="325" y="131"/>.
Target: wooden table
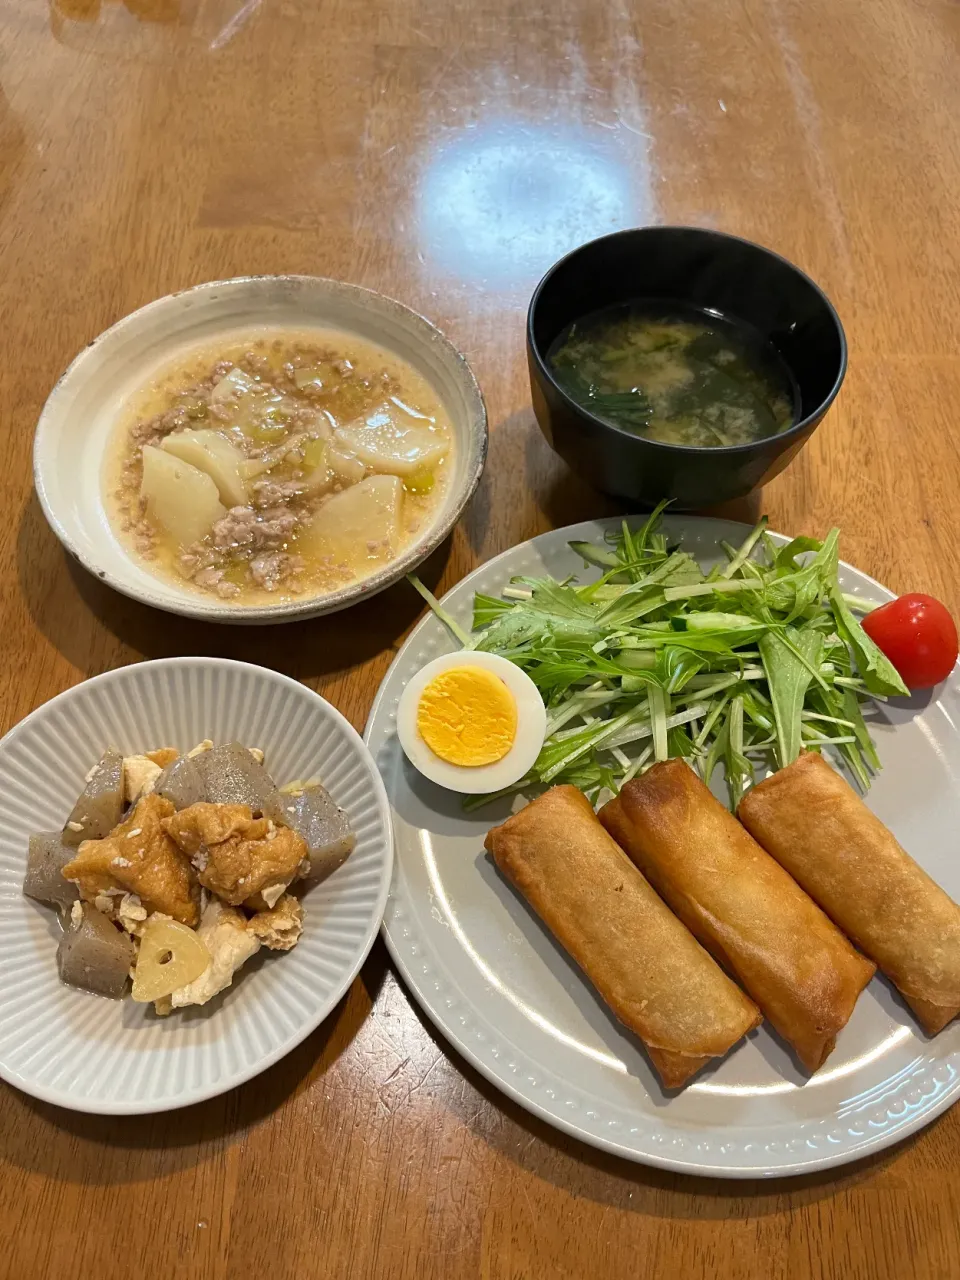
<point x="446" y="152"/>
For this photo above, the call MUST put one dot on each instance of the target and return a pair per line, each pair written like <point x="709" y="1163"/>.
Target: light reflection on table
<point x="501" y="201"/>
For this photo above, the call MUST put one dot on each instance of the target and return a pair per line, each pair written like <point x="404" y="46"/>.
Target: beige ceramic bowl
<point x="83" y="408"/>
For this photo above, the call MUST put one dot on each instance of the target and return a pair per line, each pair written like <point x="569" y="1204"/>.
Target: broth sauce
<point x="278" y="465"/>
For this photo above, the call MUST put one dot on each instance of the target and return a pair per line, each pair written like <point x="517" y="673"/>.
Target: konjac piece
<point x="48" y="855"/>
<point x="181" y="783"/>
<point x="99" y="806"/>
<point x="94" y="954"/>
<point x="231" y="775"/>
<point x="313" y="814"/>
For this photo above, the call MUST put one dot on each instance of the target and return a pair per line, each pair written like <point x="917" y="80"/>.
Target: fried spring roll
<point x="816" y="826"/>
<point x="743" y="907"/>
<point x="651" y="972"/>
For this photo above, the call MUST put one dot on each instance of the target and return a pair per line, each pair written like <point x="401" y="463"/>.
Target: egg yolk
<point x="467" y="716"/>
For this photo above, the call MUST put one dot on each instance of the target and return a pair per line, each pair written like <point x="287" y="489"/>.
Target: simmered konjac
<point x="279" y="465"/>
<point x="174" y="870"/>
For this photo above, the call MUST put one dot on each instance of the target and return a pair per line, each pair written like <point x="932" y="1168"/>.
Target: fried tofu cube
<point x="238" y="857"/>
<point x="139" y="857"/>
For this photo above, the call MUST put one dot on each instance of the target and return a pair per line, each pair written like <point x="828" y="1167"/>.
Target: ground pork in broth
<point x="278" y="465"/>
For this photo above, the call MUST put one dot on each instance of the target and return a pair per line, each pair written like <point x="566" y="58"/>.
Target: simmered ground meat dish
<point x="278" y="465"/>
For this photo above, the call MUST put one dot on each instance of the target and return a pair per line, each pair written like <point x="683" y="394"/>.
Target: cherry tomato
<point x="919" y="637"/>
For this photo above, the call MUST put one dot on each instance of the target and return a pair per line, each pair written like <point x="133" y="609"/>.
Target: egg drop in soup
<point x="278" y="466"/>
<point x="677" y="376"/>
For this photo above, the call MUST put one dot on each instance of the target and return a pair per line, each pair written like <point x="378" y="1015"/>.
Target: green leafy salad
<point x="745" y="666"/>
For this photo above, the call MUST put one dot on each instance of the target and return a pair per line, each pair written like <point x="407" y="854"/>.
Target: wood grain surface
<point x="446" y="152"/>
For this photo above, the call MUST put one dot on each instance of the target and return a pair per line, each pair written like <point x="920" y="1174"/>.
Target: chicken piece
<point x="238" y="856"/>
<point x="200" y="748"/>
<point x="140" y="774"/>
<point x="106" y="901"/>
<point x="139" y="857"/>
<point x="223" y="930"/>
<point x="279" y="928"/>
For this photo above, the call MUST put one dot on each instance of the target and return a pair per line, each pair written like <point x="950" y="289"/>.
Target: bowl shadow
<point x="585" y="1171"/>
<point x="140" y="1148"/>
<point x="558" y="492"/>
<point x="77" y="614"/>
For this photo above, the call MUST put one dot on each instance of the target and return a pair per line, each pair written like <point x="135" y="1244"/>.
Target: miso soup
<point x="679" y="376"/>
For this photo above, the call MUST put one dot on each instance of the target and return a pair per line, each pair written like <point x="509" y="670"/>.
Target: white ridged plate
<point x="117" y="1057"/>
<point x="500" y="989"/>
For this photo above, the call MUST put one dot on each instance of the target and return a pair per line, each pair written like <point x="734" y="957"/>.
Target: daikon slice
<point x="392" y="447"/>
<point x="181" y="497"/>
<point x="212" y="452"/>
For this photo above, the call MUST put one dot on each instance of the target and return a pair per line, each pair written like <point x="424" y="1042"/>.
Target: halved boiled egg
<point x="471" y="722"/>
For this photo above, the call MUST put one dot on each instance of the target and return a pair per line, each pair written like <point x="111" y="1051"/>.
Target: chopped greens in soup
<point x="279" y="465"/>
<point x="684" y="378"/>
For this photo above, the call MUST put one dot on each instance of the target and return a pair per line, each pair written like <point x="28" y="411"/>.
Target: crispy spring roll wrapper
<point x="742" y="905"/>
<point x="816" y="826"/>
<point x="645" y="964"/>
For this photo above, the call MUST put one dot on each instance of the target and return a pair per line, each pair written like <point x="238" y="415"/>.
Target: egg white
<point x="474" y="779"/>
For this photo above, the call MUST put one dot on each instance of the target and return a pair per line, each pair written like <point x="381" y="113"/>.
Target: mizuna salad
<point x="743" y="666"/>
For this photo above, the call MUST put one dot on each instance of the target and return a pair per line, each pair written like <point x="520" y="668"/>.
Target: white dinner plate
<point x="503" y="992"/>
<point x="117" y="1057"/>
